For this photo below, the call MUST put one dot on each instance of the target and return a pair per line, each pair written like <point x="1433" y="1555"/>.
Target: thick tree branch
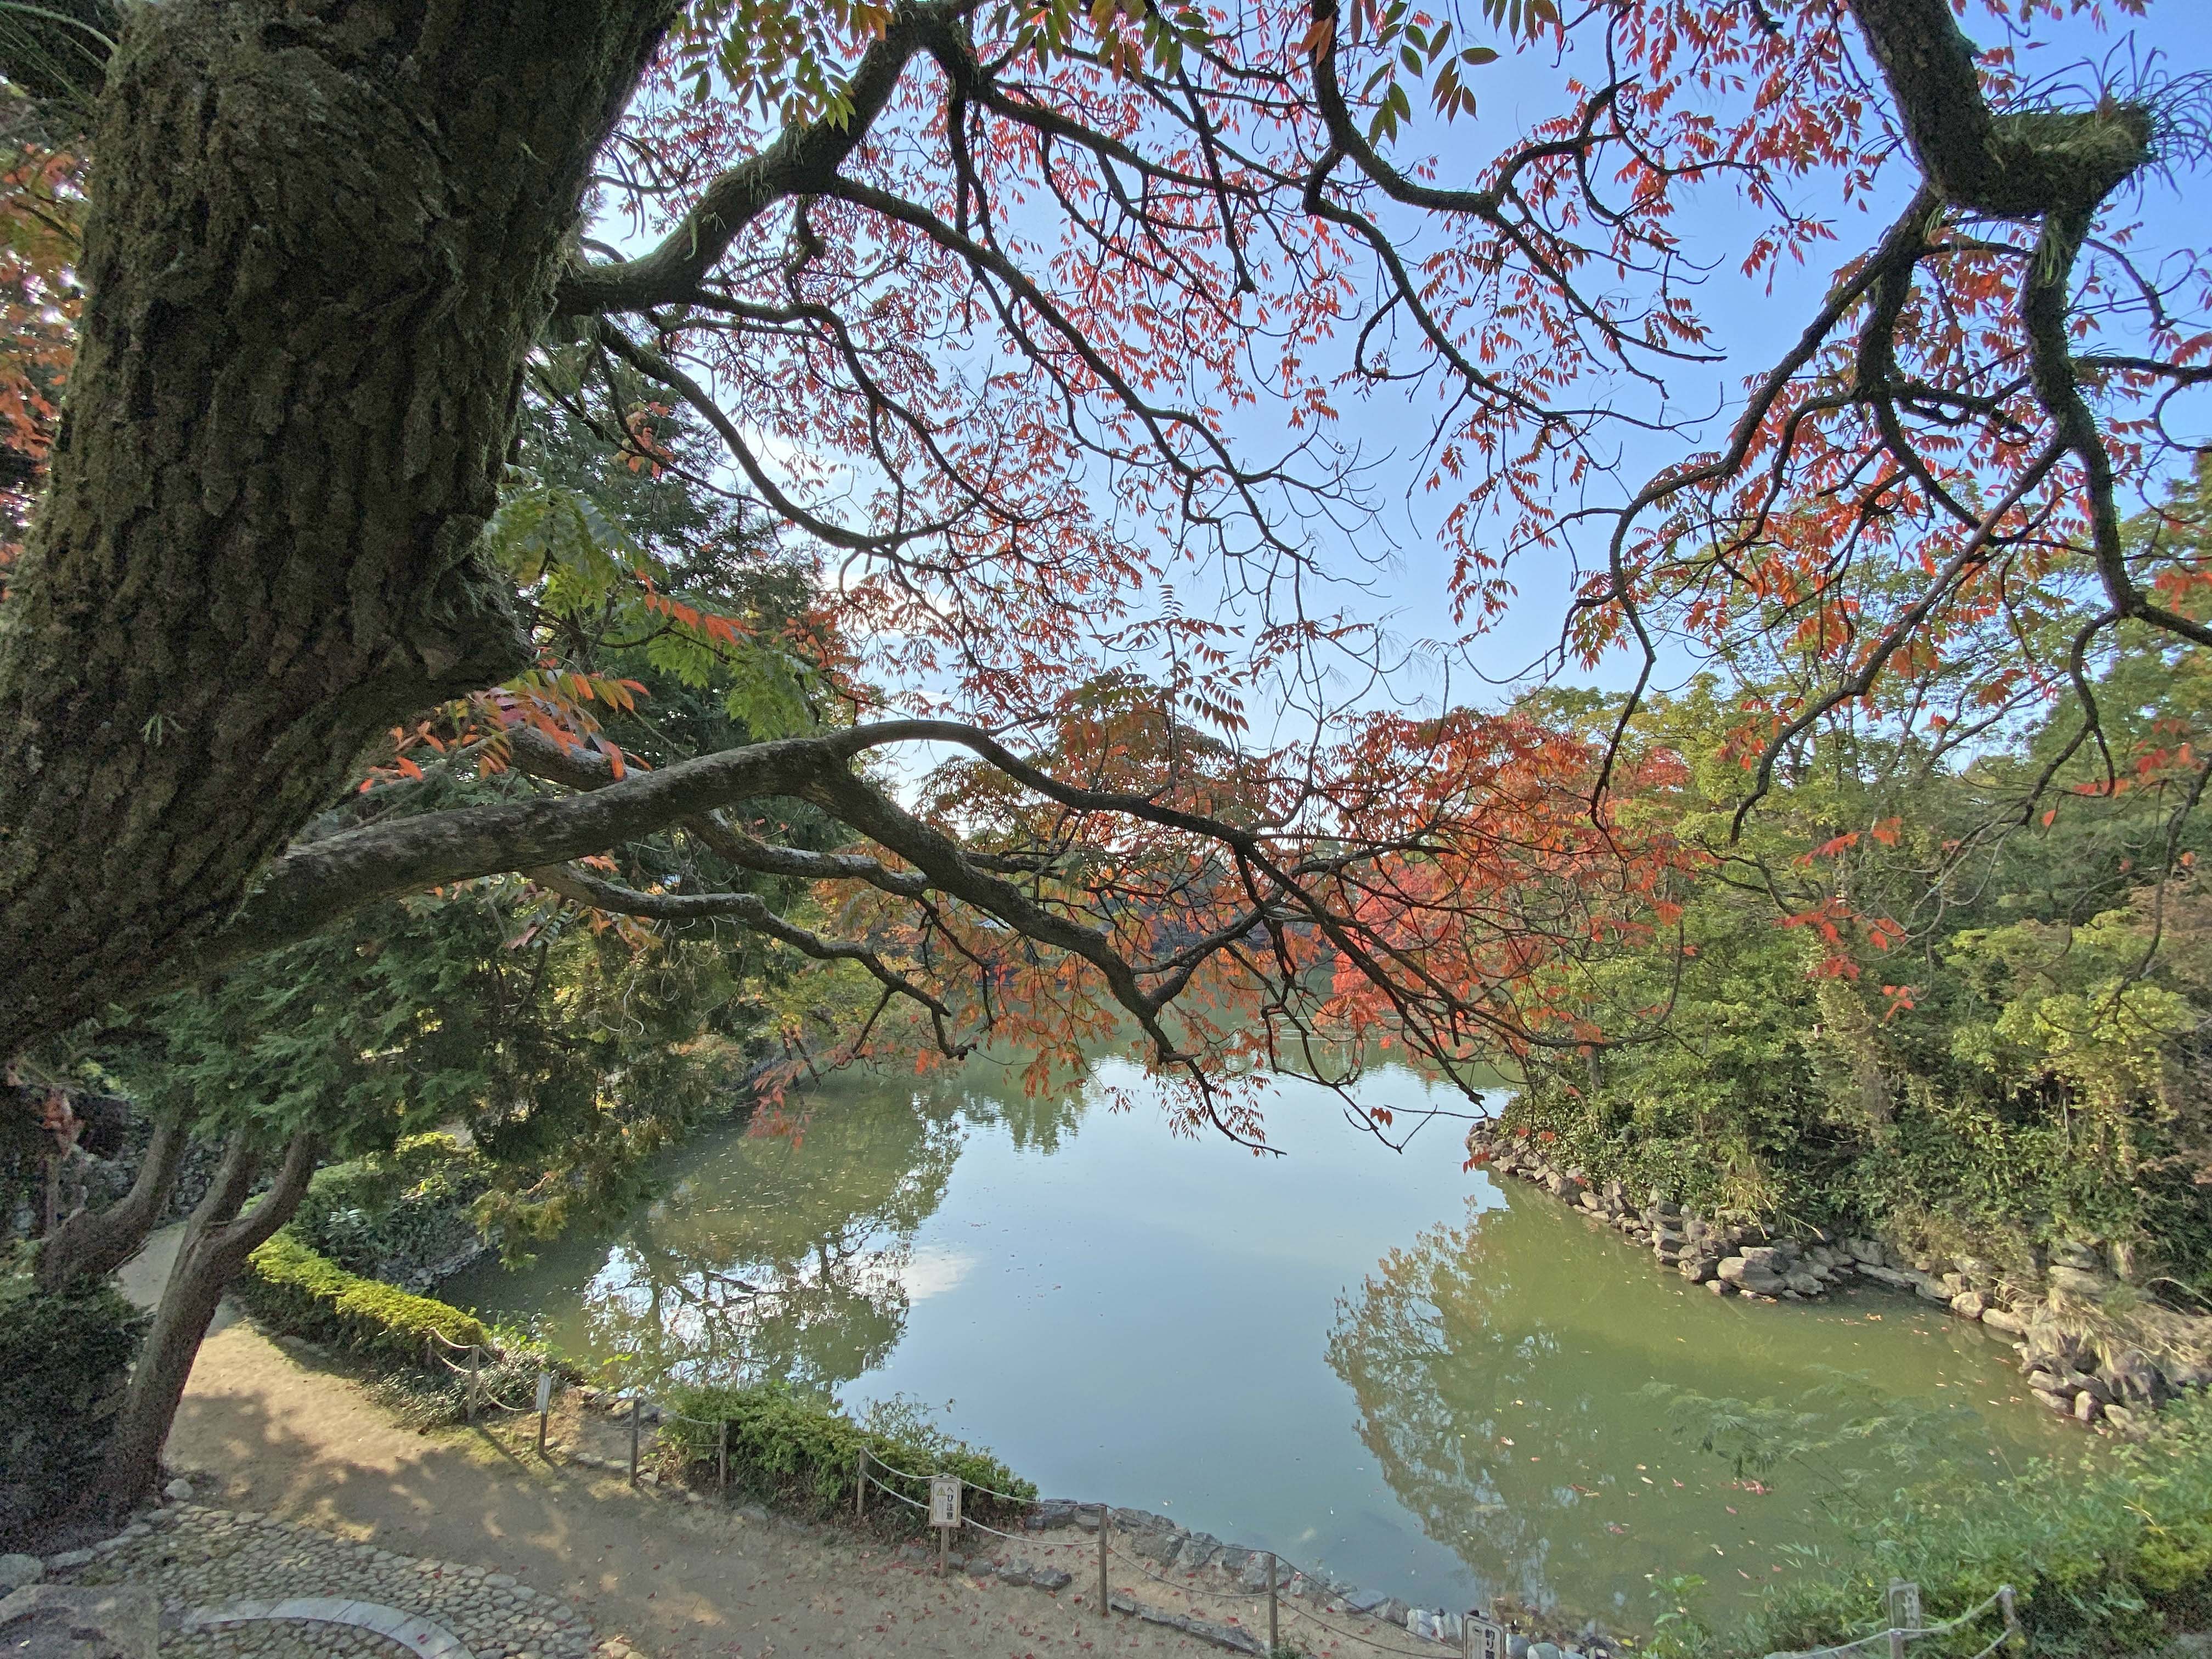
<point x="2015" y="166"/>
<point x="802" y="161"/>
<point x="752" y="910"/>
<point x="241" y="1238"/>
<point x="537" y="755"/>
<point x="93" y="1243"/>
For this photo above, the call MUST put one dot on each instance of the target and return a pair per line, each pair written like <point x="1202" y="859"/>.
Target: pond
<point x="1370" y="1361"/>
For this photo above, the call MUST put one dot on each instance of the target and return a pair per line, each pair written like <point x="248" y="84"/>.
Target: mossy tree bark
<point x="323" y="233"/>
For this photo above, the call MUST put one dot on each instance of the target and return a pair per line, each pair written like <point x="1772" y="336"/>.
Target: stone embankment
<point x="1180" y="1559"/>
<point x="2076" y="1361"/>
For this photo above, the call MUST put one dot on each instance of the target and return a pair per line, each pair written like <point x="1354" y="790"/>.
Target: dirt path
<point x="264" y="1429"/>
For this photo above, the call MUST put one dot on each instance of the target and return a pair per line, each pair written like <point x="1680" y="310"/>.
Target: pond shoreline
<point x="1187" y="1562"/>
<point x="2096" y="1378"/>
<point x="1079" y="1281"/>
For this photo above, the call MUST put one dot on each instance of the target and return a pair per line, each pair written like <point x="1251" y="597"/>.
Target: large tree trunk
<point x="216" y="1242"/>
<point x="322" y="235"/>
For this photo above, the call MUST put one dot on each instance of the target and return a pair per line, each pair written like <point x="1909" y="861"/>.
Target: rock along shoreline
<point x="1183" y="1561"/>
<point x="2111" y="1387"/>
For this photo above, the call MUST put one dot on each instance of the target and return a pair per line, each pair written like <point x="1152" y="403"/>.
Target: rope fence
<point x="1481" y="1637"/>
<point x="1901" y="1610"/>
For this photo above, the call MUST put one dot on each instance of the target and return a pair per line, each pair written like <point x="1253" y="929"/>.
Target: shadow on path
<point x="261" y="1431"/>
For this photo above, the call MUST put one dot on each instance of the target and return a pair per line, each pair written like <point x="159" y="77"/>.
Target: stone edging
<point x="424" y="1636"/>
<point x="1174" y="1548"/>
<point x="2116" y="1392"/>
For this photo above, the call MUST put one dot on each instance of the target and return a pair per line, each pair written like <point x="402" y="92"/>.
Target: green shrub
<point x="292" y="1288"/>
<point x="65" y="1358"/>
<point x="2114" y="1558"/>
<point x="803" y="1453"/>
<point x="399" y="1215"/>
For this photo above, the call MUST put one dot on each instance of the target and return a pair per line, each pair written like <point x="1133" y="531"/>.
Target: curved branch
<point x="800" y="162"/>
<point x="748" y="909"/>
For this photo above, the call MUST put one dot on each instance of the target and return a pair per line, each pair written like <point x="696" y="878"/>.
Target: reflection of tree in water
<point x="1435" y="1349"/>
<point x="790" y="1256"/>
<point x="1501" y="1370"/>
<point x="1035" y="1123"/>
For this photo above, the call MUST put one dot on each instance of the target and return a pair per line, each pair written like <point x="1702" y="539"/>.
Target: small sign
<point x="1485" y="1638"/>
<point x="944" y="1500"/>
<point x="544" y="1392"/>
<point x="1904" y="1605"/>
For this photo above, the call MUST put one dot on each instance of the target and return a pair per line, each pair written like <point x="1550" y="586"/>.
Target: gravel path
<point x="280" y="1641"/>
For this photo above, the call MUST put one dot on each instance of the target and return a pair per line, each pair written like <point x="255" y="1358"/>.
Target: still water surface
<point x="1370" y="1361"/>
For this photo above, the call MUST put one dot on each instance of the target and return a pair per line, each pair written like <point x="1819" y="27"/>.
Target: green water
<point x="1370" y="1361"/>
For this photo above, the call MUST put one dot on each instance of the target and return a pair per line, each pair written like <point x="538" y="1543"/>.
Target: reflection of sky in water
<point x="1372" y="1362"/>
<point x="933" y="1270"/>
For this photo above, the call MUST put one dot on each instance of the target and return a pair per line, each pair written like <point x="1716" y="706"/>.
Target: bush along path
<point x="2090" y="1347"/>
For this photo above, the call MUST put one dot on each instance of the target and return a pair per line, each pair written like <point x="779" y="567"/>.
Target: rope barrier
<point x="869" y="1462"/>
<point x="1132" y="1560"/>
<point x="892" y="1468"/>
<point x="1345" y="1634"/>
<point x="1916" y="1633"/>
<point x="976" y="1485"/>
<point x="702" y="1422"/>
<point x="893" y="1491"/>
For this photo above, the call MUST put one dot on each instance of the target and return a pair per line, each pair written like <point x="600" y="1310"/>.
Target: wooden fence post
<point x="861" y="1485"/>
<point x="1902" y="1606"/>
<point x="1274" y="1639"/>
<point x="545" y="1404"/>
<point x="2014" y="1635"/>
<point x="1104" y="1611"/>
<point x="476" y="1376"/>
<point x="722" y="1455"/>
<point x="636" y="1406"/>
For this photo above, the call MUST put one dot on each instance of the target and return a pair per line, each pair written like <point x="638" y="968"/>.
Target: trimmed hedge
<point x="804" y="1453"/>
<point x="792" y="1449"/>
<point x="291" y="1287"/>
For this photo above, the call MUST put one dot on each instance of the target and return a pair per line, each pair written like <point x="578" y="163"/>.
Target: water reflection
<point x="1502" y="1369"/>
<point x="785" y="1256"/>
<point x="1272" y="1349"/>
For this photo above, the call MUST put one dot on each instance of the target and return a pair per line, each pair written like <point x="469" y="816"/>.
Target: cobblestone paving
<point x="196" y="1557"/>
<point x="279" y="1639"/>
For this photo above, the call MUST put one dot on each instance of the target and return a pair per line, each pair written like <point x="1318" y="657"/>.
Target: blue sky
<point x="1753" y="327"/>
<point x="1401" y="570"/>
